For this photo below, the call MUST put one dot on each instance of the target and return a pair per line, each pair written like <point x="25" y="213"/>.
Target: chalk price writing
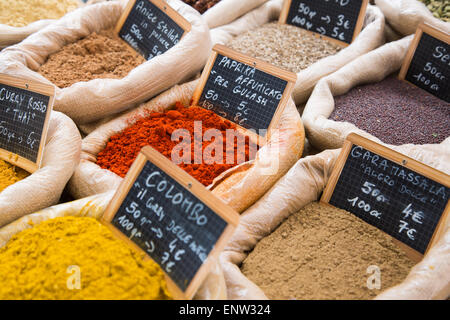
<point x="336" y="19"/>
<point x="150" y="31"/>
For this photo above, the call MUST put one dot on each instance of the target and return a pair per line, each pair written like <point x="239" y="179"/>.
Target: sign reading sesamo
<point x="427" y="63"/>
<point x="166" y="213"/>
<point x="25" y="108"/>
<point x="400" y="196"/>
<point x="341" y="20"/>
<point x="151" y="27"/>
<point x="244" y="90"/>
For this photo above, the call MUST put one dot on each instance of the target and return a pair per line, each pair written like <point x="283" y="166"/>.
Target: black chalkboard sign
<point x="151" y="27"/>
<point x="246" y="91"/>
<point x="341" y="20"/>
<point x="25" y="108"/>
<point x="427" y="63"/>
<point x="392" y="192"/>
<point x="171" y="217"/>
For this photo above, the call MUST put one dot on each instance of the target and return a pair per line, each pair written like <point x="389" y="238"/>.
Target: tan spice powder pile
<point x="19" y="13"/>
<point x="98" y="56"/>
<point x="284" y="46"/>
<point x="323" y="253"/>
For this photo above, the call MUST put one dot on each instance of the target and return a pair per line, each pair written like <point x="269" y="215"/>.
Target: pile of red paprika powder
<point x="156" y="130"/>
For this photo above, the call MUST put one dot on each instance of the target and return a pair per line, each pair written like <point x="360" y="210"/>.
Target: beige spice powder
<point x="98" y="56"/>
<point x="322" y="252"/>
<point x="285" y="46"/>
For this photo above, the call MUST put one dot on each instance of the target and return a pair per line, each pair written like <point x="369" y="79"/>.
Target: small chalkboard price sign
<point x="247" y="91"/>
<point x="25" y="108"/>
<point x="164" y="212"/>
<point x="151" y="27"/>
<point x="339" y="20"/>
<point x="400" y="196"/>
<point x="427" y="63"/>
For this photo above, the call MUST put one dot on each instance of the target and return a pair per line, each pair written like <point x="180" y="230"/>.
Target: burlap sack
<point x="304" y="184"/>
<point x="371" y="37"/>
<point x="405" y="15"/>
<point x="92" y="100"/>
<point x="227" y="11"/>
<point x="239" y="187"/>
<point x="372" y="67"/>
<point x="12" y="35"/>
<point x="44" y="187"/>
<point x="213" y="288"/>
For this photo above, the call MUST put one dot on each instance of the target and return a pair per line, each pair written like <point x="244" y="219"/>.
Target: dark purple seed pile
<point x="395" y="112"/>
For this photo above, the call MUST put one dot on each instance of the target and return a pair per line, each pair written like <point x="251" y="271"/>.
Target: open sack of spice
<point x="60" y="241"/>
<point x="109" y="151"/>
<point x="22" y="193"/>
<point x="20" y="18"/>
<point x="259" y="35"/>
<point x="366" y="97"/>
<point x="404" y="16"/>
<point x="290" y="246"/>
<point x="96" y="73"/>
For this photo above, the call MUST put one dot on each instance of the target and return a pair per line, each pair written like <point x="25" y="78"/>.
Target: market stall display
<point x="284" y="147"/>
<point x="258" y="25"/>
<point x="224" y="149"/>
<point x="73" y="218"/>
<point x="88" y="101"/>
<point x="20" y="18"/>
<point x="293" y="197"/>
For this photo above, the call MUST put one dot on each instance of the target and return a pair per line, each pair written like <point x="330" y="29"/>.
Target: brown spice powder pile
<point x="98" y="56"/>
<point x="323" y="253"/>
<point x="284" y="46"/>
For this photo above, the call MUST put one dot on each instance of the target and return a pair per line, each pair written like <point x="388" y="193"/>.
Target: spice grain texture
<point x="287" y="47"/>
<point x="39" y="263"/>
<point x="157" y="129"/>
<point x="384" y="107"/>
<point x="322" y="252"/>
<point x="10" y="174"/>
<point x="20" y="13"/>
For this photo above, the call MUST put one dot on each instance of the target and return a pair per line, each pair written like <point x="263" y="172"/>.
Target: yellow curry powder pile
<point x="76" y="258"/>
<point x="19" y="13"/>
<point x="10" y="174"/>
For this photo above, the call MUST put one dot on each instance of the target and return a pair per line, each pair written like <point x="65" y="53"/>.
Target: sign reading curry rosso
<point x="164" y="212"/>
<point x="25" y="108"/>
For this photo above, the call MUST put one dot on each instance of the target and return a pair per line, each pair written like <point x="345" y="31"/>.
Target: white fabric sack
<point x="406" y="15"/>
<point x="371" y="37"/>
<point x="227" y="11"/>
<point x="304" y="184"/>
<point x="372" y="67"/>
<point x="11" y="35"/>
<point x="239" y="187"/>
<point x="44" y="187"/>
<point x="92" y="100"/>
<point x="213" y="288"/>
